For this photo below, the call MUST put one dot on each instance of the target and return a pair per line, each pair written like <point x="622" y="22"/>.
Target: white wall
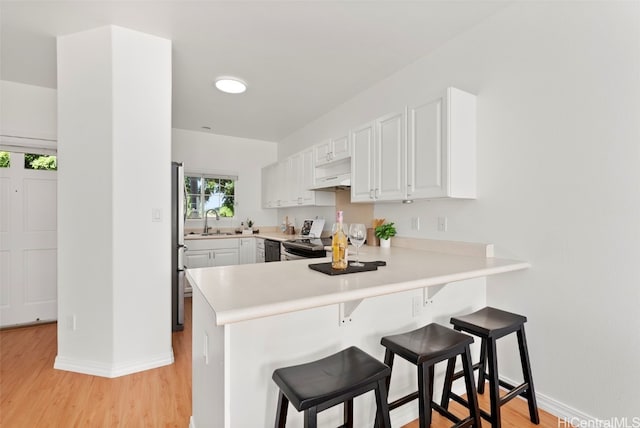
<point x="558" y="87"/>
<point x="27" y="111"/>
<point x="114" y="139"/>
<point x="244" y="157"/>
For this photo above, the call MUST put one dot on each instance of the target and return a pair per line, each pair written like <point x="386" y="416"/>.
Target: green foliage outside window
<point x="5" y="160"/>
<point x="36" y="161"/>
<point x="205" y="193"/>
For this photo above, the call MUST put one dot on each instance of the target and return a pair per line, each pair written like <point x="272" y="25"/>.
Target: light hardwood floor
<point x="33" y="394"/>
<point x="515" y="414"/>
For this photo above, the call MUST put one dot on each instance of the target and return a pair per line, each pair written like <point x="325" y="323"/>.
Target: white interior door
<point x="28" y="244"/>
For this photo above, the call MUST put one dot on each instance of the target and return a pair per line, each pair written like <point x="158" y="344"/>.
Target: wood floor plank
<point x="34" y="394"/>
<point x="514" y="414"/>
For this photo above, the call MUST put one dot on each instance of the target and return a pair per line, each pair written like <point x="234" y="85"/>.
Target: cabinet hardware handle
<point x="376" y="193"/>
<point x="330" y="178"/>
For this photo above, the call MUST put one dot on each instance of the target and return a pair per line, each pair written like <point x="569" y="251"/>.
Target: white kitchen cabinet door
<point x="378" y="160"/>
<point x="197" y="259"/>
<point x="322" y="152"/>
<point x="441" y="147"/>
<point x="340" y="148"/>
<point x="268" y="186"/>
<point x="275" y="192"/>
<point x="280" y="185"/>
<point x="362" y="163"/>
<point x="306" y="177"/>
<point x="226" y="257"/>
<point x="390" y="161"/>
<point x="247" y="251"/>
<point x="332" y="150"/>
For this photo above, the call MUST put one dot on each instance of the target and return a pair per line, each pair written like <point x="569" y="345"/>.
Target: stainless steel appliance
<point x="271" y="250"/>
<point x="309" y="245"/>
<point x="305" y="248"/>
<point x="177" y="246"/>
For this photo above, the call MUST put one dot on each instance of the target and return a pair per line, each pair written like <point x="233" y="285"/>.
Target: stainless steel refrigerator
<point x="177" y="246"/>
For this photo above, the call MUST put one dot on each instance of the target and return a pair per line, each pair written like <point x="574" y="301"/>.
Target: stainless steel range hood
<point x="332" y="183"/>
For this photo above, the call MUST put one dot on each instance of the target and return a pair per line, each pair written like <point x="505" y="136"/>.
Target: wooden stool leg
<point x="472" y="398"/>
<point x="311" y="417"/>
<point x="526" y="372"/>
<point x="424" y="395"/>
<point x="448" y="381"/>
<point x="388" y="360"/>
<point x="482" y="370"/>
<point x="383" y="420"/>
<point x="494" y="383"/>
<point x="348" y="414"/>
<point x="281" y="416"/>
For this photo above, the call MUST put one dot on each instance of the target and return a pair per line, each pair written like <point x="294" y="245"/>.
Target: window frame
<point x="202" y="194"/>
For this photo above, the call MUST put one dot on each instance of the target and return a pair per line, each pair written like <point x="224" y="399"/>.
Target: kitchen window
<point x="206" y="192"/>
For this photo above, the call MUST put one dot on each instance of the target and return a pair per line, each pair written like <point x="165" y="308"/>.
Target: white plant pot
<point x="385" y="243"/>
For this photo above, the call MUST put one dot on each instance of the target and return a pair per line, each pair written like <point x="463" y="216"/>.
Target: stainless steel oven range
<point x="304" y="248"/>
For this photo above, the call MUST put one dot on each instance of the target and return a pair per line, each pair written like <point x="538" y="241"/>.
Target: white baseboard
<point x="566" y="415"/>
<point x="96" y="368"/>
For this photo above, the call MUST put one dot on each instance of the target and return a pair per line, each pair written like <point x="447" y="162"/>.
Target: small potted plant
<point x="249" y="229"/>
<point x="384" y="232"/>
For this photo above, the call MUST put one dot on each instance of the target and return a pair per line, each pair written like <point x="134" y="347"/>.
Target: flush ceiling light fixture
<point x="230" y="85"/>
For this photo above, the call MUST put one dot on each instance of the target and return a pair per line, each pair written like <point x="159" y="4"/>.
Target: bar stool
<point x="426" y="347"/>
<point x="491" y="324"/>
<point x="338" y="378"/>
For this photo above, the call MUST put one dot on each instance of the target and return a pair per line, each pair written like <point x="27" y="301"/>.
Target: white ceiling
<point x="300" y="58"/>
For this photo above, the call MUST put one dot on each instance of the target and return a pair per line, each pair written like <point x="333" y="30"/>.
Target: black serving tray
<point x="326" y="268"/>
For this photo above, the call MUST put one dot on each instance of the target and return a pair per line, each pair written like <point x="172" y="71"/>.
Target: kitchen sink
<point x="216" y="234"/>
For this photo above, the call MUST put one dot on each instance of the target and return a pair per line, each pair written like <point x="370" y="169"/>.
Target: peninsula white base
<point x="233" y="363"/>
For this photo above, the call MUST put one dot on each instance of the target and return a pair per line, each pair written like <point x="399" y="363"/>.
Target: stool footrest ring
<point x="403" y="400"/>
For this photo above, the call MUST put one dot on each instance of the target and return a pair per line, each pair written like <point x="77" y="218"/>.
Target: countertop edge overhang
<point x="236" y="293"/>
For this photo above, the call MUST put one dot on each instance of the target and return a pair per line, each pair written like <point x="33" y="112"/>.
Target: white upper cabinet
<point x="429" y="151"/>
<point x="362" y="163"/>
<point x="332" y="150"/>
<point x="378" y="160"/>
<point x="302" y="179"/>
<point x="390" y="145"/>
<point x="441" y="147"/>
<point x="269" y="186"/>
<point x="287" y="183"/>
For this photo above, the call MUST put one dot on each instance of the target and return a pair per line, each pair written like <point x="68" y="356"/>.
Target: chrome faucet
<point x="206" y="220"/>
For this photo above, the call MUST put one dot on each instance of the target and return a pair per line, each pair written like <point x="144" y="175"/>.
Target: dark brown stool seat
<point x="490" y="324"/>
<point x="338" y="378"/>
<point x="425" y="347"/>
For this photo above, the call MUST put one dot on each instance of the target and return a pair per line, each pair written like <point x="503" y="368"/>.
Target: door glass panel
<point x="5" y="160"/>
<point x="38" y="161"/>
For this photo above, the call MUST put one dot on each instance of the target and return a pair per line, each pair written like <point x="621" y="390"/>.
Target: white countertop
<point x="243" y="292"/>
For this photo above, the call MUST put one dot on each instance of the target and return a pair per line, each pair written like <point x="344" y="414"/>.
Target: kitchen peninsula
<point x="249" y="320"/>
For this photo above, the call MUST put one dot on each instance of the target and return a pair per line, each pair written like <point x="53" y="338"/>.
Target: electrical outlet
<point x="205" y="351"/>
<point x="72" y="323"/>
<point x="442" y="224"/>
<point x="416" y="306"/>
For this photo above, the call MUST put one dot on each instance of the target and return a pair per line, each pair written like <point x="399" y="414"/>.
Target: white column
<point x="114" y="150"/>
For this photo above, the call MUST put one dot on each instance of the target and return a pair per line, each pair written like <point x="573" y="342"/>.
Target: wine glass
<point x="357" y="236"/>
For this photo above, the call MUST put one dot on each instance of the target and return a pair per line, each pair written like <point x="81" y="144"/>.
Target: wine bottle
<point x="338" y="244"/>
